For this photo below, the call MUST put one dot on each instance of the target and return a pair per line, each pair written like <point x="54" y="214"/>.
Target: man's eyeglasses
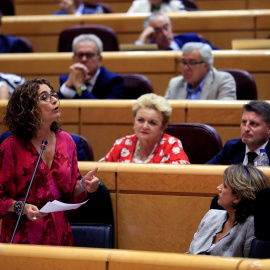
<point x="47" y="97"/>
<point x="88" y="55"/>
<point x="190" y="64"/>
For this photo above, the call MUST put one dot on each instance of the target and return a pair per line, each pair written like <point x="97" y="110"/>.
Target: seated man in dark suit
<point x="75" y="7"/>
<point x="158" y="29"/>
<point x="255" y="135"/>
<point x="9" y="44"/>
<point x="87" y="78"/>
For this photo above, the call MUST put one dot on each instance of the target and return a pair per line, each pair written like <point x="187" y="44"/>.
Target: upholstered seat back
<point x="93" y="222"/>
<point x="7" y="7"/>
<point x="105" y="7"/>
<point x="260" y="247"/>
<point x="105" y="33"/>
<point x="246" y="88"/>
<point x="201" y="142"/>
<point x="136" y="85"/>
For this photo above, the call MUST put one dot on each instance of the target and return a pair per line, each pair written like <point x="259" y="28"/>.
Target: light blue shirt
<point x="195" y="93"/>
<point x="79" y="10"/>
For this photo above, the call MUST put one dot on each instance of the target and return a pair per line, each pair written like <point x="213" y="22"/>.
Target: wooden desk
<point x="158" y="66"/>
<point x="66" y="258"/>
<point x="159" y="203"/>
<point x="219" y="27"/>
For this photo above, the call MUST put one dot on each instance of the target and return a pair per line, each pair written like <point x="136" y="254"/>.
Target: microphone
<point x="43" y="147"/>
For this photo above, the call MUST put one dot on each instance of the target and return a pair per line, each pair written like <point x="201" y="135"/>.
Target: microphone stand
<point x="43" y="147"/>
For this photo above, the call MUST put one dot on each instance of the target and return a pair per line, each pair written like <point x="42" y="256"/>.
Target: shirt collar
<point x="257" y="151"/>
<point x="174" y="46"/>
<point x="93" y="80"/>
<point x="79" y="10"/>
<point x="195" y="93"/>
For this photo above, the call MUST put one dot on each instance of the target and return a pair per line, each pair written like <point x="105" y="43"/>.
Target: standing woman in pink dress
<point x="149" y="144"/>
<point x="33" y="115"/>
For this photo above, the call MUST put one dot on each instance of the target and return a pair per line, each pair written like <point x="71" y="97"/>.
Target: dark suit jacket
<point x="108" y="85"/>
<point x="191" y="37"/>
<point x="86" y="10"/>
<point x="233" y="152"/>
<point x="10" y="44"/>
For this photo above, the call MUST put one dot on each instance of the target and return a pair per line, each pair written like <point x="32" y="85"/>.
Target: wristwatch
<point x="82" y="88"/>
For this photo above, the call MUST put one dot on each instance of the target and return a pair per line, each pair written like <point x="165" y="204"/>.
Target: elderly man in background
<point x="75" y="7"/>
<point x="87" y="79"/>
<point x="158" y="29"/>
<point x="199" y="79"/>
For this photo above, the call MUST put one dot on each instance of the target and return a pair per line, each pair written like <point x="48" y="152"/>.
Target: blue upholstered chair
<point x="93" y="223"/>
<point x="260" y="247"/>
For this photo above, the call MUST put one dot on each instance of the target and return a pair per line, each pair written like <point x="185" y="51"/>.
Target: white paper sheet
<point x="55" y="206"/>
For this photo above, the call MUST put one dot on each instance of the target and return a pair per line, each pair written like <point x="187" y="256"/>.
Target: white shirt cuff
<point x="67" y="92"/>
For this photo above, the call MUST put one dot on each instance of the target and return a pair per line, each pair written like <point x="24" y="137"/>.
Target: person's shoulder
<point x="11" y="142"/>
<point x="60" y="12"/>
<point x="88" y="10"/>
<point x="63" y="135"/>
<point x="233" y="142"/>
<point x="222" y="74"/>
<point x="171" y="140"/>
<point x="125" y="140"/>
<point x="177" y="79"/>
<point x="216" y="214"/>
<point x="107" y="73"/>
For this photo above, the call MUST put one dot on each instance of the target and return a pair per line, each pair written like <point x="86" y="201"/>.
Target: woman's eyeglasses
<point x="47" y="97"/>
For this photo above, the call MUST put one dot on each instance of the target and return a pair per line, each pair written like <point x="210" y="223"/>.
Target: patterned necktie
<point x="251" y="157"/>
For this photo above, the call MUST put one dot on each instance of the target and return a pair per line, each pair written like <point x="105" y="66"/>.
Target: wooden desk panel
<point x="43" y="30"/>
<point x="154" y="200"/>
<point x="137" y="260"/>
<point x="48" y="257"/>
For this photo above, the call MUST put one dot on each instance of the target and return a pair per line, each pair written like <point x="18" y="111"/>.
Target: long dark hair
<point x="22" y="114"/>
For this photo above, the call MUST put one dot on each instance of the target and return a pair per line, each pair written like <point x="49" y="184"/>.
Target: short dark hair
<point x="22" y="114"/>
<point x="245" y="181"/>
<point x="260" y="107"/>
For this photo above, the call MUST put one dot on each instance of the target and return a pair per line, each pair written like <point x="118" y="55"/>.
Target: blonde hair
<point x="245" y="181"/>
<point x="153" y="101"/>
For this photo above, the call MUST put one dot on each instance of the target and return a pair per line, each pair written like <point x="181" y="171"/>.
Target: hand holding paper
<point x="55" y="206"/>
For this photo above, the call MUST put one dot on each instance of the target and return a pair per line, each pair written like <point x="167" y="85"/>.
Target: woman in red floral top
<point x="149" y="144"/>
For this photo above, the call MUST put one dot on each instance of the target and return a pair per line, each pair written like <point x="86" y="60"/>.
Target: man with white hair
<point x="199" y="79"/>
<point x="158" y="30"/>
<point x="87" y="79"/>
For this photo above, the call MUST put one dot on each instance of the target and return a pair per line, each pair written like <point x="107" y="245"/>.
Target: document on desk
<point x="55" y="206"/>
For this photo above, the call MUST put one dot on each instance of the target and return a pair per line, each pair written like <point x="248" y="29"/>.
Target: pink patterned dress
<point x="17" y="162"/>
<point x="168" y="150"/>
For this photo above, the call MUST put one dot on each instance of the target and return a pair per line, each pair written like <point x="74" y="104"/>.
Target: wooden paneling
<point x="153" y="202"/>
<point x="218" y="26"/>
<point x="158" y="66"/>
<point x="42" y="7"/>
<point x="65" y="258"/>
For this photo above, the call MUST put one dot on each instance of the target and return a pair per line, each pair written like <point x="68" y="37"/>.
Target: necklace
<point x="137" y="157"/>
